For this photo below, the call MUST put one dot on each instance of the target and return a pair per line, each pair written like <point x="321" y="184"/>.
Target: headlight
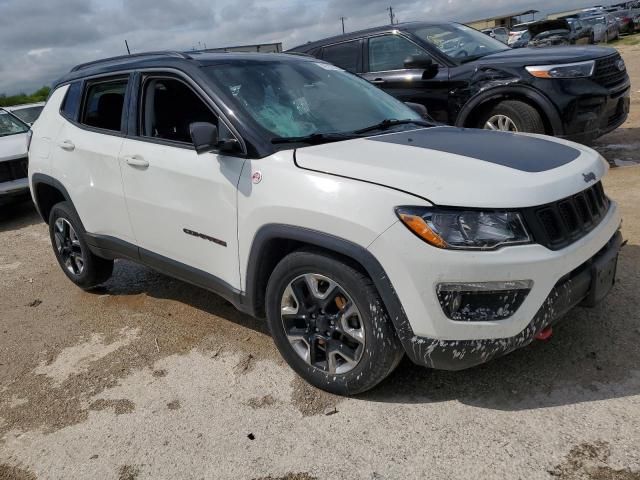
<point x="465" y="229"/>
<point x="568" y="70"/>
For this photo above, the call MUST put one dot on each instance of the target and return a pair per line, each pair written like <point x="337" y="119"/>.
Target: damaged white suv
<point x="305" y="195"/>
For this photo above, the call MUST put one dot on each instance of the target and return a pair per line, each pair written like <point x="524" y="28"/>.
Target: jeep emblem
<point x="621" y="66"/>
<point x="589" y="177"/>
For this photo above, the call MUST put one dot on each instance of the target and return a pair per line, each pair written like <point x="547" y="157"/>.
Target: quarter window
<point x="169" y="107"/>
<point x="344" y="55"/>
<point x="104" y="103"/>
<point x="389" y="52"/>
<point x="71" y="101"/>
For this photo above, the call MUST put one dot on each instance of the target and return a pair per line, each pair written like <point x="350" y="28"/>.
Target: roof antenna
<point x="127" y="45"/>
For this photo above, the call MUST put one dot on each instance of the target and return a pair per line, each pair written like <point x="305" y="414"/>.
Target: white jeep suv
<point x="303" y="194"/>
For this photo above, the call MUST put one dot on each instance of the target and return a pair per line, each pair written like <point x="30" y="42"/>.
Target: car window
<point x="291" y="99"/>
<point x="71" y="101"/>
<point x="390" y="51"/>
<point x="103" y="105"/>
<point x="345" y="55"/>
<point x="169" y="107"/>
<point x="10" y="125"/>
<point x="28" y="114"/>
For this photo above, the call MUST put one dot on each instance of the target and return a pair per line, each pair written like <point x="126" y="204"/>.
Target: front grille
<point x="561" y="223"/>
<point x="13" y="169"/>
<point x="607" y="72"/>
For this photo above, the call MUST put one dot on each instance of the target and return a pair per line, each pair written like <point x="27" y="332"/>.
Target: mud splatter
<point x="174" y="405"/>
<point x="7" y="472"/>
<point x="159" y="373"/>
<point x="587" y="461"/>
<point x="311" y="401"/>
<point x="128" y="472"/>
<point x="261" y="402"/>
<point x="245" y="364"/>
<point x="120" y="406"/>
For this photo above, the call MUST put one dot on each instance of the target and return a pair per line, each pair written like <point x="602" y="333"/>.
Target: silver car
<point x="14" y="139"/>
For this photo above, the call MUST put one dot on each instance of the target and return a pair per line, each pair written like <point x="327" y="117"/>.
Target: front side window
<point x="458" y="42"/>
<point x="390" y="51"/>
<point x="169" y="107"/>
<point x="344" y="55"/>
<point x="298" y="98"/>
<point x="10" y="125"/>
<point x="104" y="103"/>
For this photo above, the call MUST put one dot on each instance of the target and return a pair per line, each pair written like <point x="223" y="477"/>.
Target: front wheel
<point x="512" y="116"/>
<point x="329" y="323"/>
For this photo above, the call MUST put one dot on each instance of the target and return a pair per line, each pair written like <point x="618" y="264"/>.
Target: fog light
<point x="482" y="301"/>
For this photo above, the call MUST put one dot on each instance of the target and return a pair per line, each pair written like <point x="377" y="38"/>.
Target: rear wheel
<point x="72" y="252"/>
<point x="329" y="324"/>
<point x="512" y="116"/>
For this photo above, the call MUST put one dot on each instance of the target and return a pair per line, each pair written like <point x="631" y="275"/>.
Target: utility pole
<point x="391" y="15"/>
<point x="126" y="44"/>
<point x="342" y="19"/>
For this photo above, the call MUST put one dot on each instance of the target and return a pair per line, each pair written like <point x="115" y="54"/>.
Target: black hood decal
<point x="528" y="154"/>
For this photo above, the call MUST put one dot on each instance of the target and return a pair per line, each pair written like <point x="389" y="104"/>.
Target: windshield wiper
<point x="388" y="123"/>
<point x="314" y="138"/>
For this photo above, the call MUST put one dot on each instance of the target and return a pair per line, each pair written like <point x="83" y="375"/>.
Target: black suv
<point x="468" y="79"/>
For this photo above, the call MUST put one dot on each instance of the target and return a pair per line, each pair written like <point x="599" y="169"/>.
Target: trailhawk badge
<point x="589" y="177"/>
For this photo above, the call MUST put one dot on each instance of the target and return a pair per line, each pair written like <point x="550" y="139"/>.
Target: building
<point x="262" y="48"/>
<point x="507" y="21"/>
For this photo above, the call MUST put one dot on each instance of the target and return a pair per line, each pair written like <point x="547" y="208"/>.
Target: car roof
<point x="360" y="33"/>
<point x="171" y="59"/>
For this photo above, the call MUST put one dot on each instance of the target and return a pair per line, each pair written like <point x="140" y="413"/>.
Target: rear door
<point x="182" y="205"/>
<point x="385" y="56"/>
<point x="85" y="154"/>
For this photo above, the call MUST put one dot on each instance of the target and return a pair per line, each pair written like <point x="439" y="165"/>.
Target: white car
<point x="14" y="138"/>
<point x="303" y="194"/>
<point x="28" y="112"/>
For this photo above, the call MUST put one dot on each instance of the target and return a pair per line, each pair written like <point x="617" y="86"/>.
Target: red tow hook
<point x="544" y="334"/>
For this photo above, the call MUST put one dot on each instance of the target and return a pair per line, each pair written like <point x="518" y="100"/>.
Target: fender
<point x="41" y="178"/>
<point x="505" y="91"/>
<point x="259" y="257"/>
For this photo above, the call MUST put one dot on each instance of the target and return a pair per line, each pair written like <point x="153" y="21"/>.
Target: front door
<point x="386" y="55"/>
<point x="182" y="205"/>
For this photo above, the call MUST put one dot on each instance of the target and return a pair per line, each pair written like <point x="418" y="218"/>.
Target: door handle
<point x="136" y="161"/>
<point x="67" y="145"/>
<point x="377" y="81"/>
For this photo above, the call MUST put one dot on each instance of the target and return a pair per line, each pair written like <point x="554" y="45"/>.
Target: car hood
<point x="463" y="167"/>
<point x="548" y="25"/>
<point x="13" y="146"/>
<point x="543" y="57"/>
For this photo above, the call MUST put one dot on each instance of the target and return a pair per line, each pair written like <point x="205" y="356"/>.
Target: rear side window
<point x="345" y="55"/>
<point x="389" y="52"/>
<point x="71" y="101"/>
<point x="104" y="103"/>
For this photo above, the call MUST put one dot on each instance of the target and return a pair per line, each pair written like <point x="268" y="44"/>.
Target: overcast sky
<point x="41" y="39"/>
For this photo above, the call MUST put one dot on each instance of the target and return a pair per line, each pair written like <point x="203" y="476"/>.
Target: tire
<point x="373" y="357"/>
<point x="67" y="235"/>
<point x="520" y="117"/>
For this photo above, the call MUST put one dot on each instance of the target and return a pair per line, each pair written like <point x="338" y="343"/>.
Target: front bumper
<point x="12" y="189"/>
<point x="577" y="287"/>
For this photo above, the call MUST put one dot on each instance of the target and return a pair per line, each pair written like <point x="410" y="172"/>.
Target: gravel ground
<point x="148" y="377"/>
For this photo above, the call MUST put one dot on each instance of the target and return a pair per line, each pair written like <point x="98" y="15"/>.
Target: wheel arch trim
<point x="38" y="179"/>
<point x="259" y="252"/>
<point x="505" y="92"/>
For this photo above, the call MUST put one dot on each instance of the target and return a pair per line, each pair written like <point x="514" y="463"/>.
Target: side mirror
<point x="418" y="61"/>
<point x="206" y="139"/>
<point x="418" y="108"/>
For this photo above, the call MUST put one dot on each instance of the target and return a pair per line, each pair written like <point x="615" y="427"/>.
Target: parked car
<point x="517" y="31"/>
<point x="625" y="19"/>
<point x="562" y="31"/>
<point x="499" y="33"/>
<point x="468" y="79"/>
<point x="234" y="172"/>
<point x="28" y="113"/>
<point x="605" y="27"/>
<point x="523" y="41"/>
<point x="14" y="138"/>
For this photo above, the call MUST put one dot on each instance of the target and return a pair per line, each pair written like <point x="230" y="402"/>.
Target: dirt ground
<point x="150" y="378"/>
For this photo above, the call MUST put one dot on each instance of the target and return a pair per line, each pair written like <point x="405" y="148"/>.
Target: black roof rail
<point x="168" y="53"/>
